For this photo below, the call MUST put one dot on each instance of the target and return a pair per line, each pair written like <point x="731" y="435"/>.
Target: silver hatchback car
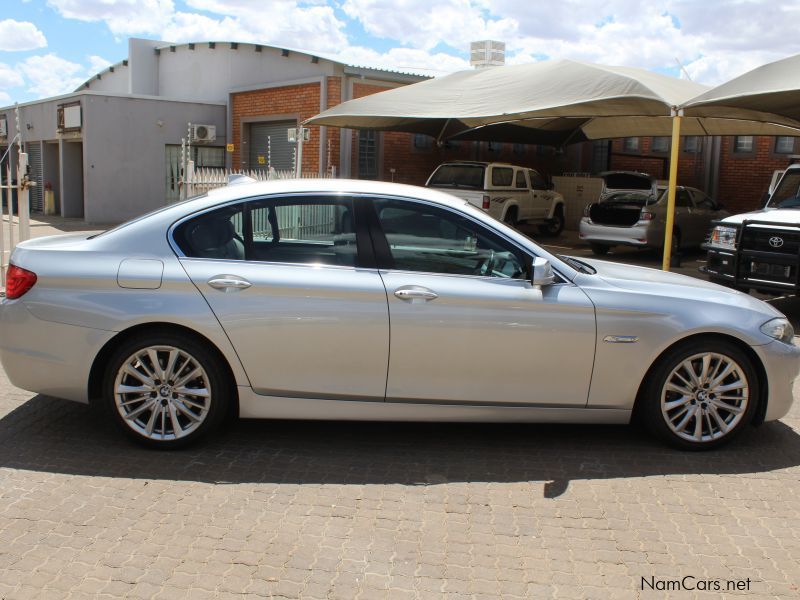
<point x="335" y="299"/>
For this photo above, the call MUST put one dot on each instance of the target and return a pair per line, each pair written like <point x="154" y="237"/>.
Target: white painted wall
<point x="206" y="74"/>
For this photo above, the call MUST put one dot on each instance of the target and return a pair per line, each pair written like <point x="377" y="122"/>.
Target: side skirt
<point x="256" y="406"/>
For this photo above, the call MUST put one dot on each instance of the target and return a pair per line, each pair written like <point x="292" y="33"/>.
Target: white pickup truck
<point x="507" y="192"/>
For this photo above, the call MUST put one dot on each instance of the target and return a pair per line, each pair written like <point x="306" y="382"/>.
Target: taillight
<point x="486" y="203"/>
<point x="646" y="216"/>
<point x="18" y="281"/>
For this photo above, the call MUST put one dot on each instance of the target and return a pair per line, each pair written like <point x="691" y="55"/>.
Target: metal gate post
<point x="23" y="197"/>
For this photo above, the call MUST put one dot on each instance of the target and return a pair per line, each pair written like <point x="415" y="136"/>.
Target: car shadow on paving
<point x="54" y="436"/>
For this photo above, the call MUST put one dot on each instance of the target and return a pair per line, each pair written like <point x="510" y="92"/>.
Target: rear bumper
<point x="640" y="234"/>
<point x="46" y="357"/>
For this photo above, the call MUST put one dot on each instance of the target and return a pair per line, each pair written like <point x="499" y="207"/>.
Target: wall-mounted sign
<point x="262" y="160"/>
<point x="229" y="147"/>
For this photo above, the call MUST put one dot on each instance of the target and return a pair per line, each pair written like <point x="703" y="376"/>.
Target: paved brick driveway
<point x="333" y="510"/>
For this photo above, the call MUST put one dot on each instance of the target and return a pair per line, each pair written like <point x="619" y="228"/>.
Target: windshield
<point x="460" y="176"/>
<point x="787" y="194"/>
<point x="631" y="198"/>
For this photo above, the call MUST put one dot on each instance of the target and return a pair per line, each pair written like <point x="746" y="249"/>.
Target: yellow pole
<point x="673" y="182"/>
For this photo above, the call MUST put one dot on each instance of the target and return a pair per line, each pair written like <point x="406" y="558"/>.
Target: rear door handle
<point x="416" y="293"/>
<point x="229" y="283"/>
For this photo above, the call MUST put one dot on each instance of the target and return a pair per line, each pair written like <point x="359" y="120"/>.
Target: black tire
<point x="210" y="411"/>
<point x="555" y="225"/>
<point x="600" y="249"/>
<point x="510" y="218"/>
<point x="649" y="405"/>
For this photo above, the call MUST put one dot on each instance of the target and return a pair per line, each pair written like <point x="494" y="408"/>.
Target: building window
<point x="519" y="149"/>
<point x="368" y="154"/>
<point x="422" y="141"/>
<point x="784" y="144"/>
<point x="692" y="143"/>
<point x="660" y="144"/>
<point x="743" y="143"/>
<point x="631" y="144"/>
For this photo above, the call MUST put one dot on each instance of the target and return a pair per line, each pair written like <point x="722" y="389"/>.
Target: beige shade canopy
<point x="555" y="102"/>
<point x="768" y="93"/>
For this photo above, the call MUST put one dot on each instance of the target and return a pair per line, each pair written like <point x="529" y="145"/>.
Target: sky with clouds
<point x="49" y="47"/>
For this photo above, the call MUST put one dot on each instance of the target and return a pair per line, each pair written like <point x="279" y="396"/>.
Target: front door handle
<point x="229" y="283"/>
<point x="416" y="293"/>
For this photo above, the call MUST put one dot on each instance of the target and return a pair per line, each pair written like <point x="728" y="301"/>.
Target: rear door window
<point x="521" y="182"/>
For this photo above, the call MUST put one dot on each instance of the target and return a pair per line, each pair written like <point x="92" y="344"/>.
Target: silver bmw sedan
<point x="336" y="299"/>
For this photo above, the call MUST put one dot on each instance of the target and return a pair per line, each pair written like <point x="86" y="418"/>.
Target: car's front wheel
<point x="700" y="395"/>
<point x="165" y="390"/>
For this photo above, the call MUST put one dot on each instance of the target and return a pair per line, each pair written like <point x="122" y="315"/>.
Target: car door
<point x="466" y="326"/>
<point x="288" y="281"/>
<point x="705" y="211"/>
<point x="542" y="196"/>
<point x="524" y="195"/>
<point x="683" y="216"/>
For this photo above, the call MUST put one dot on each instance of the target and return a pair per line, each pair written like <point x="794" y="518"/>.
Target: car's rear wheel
<point x="700" y="395"/>
<point x="600" y="249"/>
<point x="165" y="390"/>
<point x="555" y="225"/>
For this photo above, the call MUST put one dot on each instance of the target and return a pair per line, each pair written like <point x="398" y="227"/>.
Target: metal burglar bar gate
<point x="10" y="232"/>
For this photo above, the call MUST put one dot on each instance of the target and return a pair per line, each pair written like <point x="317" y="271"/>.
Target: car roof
<point x="311" y="185"/>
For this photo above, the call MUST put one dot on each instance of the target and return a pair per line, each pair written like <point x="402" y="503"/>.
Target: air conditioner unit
<point x="204" y="133"/>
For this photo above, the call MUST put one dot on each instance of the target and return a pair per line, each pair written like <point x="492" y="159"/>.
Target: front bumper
<point x="47" y="357"/>
<point x="729" y="268"/>
<point x="782" y="365"/>
<point x="639" y="235"/>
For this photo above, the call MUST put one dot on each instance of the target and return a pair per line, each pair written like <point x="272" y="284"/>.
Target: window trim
<point x="385" y="260"/>
<point x="365" y="255"/>
<point x="364" y="228"/>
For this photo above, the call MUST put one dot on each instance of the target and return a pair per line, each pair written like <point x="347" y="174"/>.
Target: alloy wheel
<point x="162" y="393"/>
<point x="705" y="397"/>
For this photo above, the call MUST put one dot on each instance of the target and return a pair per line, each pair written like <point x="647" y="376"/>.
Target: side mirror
<point x="541" y="272"/>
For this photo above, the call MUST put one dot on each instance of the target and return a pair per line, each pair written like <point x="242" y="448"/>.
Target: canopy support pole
<point x="673" y="182"/>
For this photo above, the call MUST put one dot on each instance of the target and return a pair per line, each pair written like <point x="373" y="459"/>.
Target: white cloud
<point x="20" y="36"/>
<point x="9" y="77"/>
<point x="285" y="23"/>
<point x="424" y="24"/>
<point x="49" y="75"/>
<point x="714" y="39"/>
<point x="123" y="17"/>
<point x="5" y="98"/>
<point x="403" y="59"/>
<point x="97" y="64"/>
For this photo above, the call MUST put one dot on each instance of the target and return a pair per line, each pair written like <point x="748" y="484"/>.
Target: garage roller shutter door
<point x="35" y="161"/>
<point x="281" y="151"/>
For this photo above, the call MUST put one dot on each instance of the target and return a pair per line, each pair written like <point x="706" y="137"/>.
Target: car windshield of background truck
<point x="787" y="194"/>
<point x="458" y="176"/>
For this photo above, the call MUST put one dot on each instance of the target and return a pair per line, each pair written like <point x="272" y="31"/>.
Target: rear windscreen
<point x="627" y="181"/>
<point x="460" y="176"/>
